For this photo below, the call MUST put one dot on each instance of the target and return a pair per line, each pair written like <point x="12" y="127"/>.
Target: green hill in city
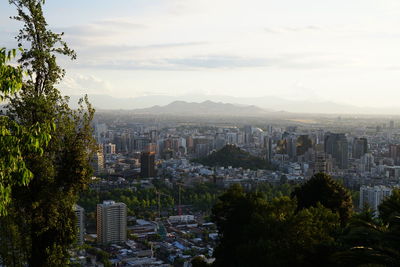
<point x="231" y="155"/>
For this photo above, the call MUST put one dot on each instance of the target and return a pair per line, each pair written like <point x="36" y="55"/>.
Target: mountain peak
<point x="203" y="108"/>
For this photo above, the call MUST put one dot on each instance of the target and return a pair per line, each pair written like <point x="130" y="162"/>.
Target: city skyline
<point x="333" y="51"/>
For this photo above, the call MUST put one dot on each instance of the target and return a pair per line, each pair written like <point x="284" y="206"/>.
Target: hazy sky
<point x="343" y="51"/>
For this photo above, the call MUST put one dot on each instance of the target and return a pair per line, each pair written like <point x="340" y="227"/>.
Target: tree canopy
<point x="40" y="225"/>
<point x="257" y="232"/>
<point x="15" y="139"/>
<point x="231" y="155"/>
<point x="321" y="188"/>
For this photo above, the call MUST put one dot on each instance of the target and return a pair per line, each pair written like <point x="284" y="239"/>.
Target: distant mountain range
<point x="204" y="108"/>
<point x="269" y="103"/>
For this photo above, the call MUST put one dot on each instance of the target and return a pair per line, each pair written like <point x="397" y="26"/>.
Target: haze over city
<point x="344" y="52"/>
<point x="199" y="133"/>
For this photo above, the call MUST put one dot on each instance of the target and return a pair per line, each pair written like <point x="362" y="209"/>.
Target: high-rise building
<point x="111" y="222"/>
<point x="109" y="148"/>
<point x="337" y="146"/>
<point x="248" y="131"/>
<point x="367" y="162"/>
<point x="98" y="161"/>
<point x="373" y="196"/>
<point x="80" y="223"/>
<point x="140" y="143"/>
<point x="268" y="148"/>
<point x="303" y="144"/>
<point x="391" y="125"/>
<point x="394" y="153"/>
<point x="291" y="147"/>
<point x="147" y="164"/>
<point x="360" y="147"/>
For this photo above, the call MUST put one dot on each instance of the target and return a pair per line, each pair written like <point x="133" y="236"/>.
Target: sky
<point x="333" y="50"/>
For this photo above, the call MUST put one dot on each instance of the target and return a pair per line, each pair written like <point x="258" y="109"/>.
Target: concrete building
<point x="109" y="148"/>
<point x="360" y="147"/>
<point x="394" y="153"/>
<point x="373" y="196"/>
<point x="111" y="222"/>
<point x="80" y="223"/>
<point x="98" y="162"/>
<point x="147" y="164"/>
<point x="337" y="146"/>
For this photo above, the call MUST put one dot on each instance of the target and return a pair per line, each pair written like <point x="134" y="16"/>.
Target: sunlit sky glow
<point x="336" y="50"/>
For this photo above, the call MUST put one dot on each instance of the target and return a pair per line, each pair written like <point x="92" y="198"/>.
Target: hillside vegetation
<point x="231" y="155"/>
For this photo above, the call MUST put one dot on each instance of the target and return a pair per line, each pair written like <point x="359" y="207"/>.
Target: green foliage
<point x="10" y="76"/>
<point x="368" y="242"/>
<point x="321" y="188"/>
<point x="41" y="218"/>
<point x="143" y="202"/>
<point x="199" y="262"/>
<point x="231" y="155"/>
<point x="371" y="240"/>
<point x="256" y="232"/>
<point x="15" y="139"/>
<point x="390" y="207"/>
<point x="101" y="256"/>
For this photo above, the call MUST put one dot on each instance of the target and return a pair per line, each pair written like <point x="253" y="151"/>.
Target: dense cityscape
<point x="199" y="133"/>
<point x="168" y="161"/>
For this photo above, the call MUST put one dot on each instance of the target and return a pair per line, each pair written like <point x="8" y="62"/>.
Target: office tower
<point x="153" y="136"/>
<point x="98" y="161"/>
<point x="100" y="130"/>
<point x="367" y="162"/>
<point x="337" y="146"/>
<point x="232" y="138"/>
<point x="322" y="162"/>
<point x="391" y="125"/>
<point x="303" y="144"/>
<point x="291" y="147"/>
<point x="80" y="223"/>
<point x="140" y="143"/>
<point x="394" y="153"/>
<point x="248" y="131"/>
<point x="151" y="147"/>
<point x="111" y="222"/>
<point x="360" y="147"/>
<point x="270" y="129"/>
<point x="109" y="149"/>
<point x="373" y="196"/>
<point x="268" y="148"/>
<point x="147" y="165"/>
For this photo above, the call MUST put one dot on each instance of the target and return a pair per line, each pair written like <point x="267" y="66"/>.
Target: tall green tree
<point x="15" y="139"/>
<point x="41" y="215"/>
<point x="257" y="232"/>
<point x="321" y="188"/>
<point x="390" y="207"/>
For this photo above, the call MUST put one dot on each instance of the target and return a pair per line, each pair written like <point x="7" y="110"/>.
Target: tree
<point x="14" y="138"/>
<point x="256" y="232"/>
<point x="41" y="213"/>
<point x="367" y="241"/>
<point x="371" y="240"/>
<point x="199" y="261"/>
<point x="390" y="207"/>
<point x="231" y="155"/>
<point x="321" y="188"/>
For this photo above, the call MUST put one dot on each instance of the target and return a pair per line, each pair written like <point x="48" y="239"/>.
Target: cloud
<point x="309" y="28"/>
<point x="218" y="61"/>
<point x="120" y="24"/>
<point x="88" y="84"/>
<point x="120" y="49"/>
<point x="284" y="61"/>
